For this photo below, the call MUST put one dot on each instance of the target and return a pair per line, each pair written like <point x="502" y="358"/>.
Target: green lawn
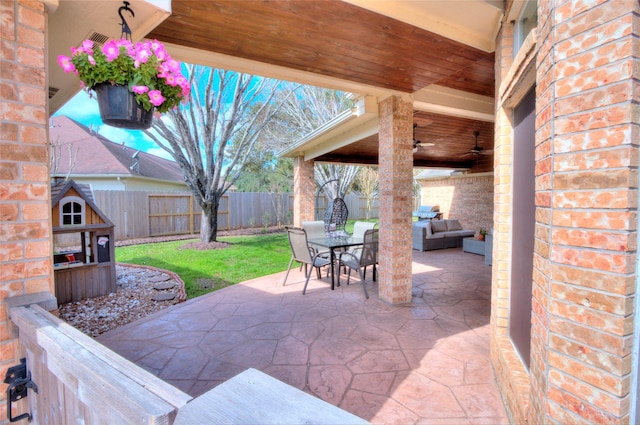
<point x="248" y="257"/>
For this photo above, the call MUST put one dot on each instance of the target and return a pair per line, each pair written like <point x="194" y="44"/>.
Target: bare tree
<point x="367" y="184"/>
<point x="56" y="154"/>
<point x="212" y="136"/>
<point x="302" y="113"/>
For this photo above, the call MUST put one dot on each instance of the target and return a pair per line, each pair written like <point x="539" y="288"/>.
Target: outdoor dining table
<point x="333" y="243"/>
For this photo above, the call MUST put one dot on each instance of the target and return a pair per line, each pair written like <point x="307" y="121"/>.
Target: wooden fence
<point x="140" y="214"/>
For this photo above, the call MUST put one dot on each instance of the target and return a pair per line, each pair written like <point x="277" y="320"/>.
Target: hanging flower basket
<point x="131" y="80"/>
<point x="119" y="108"/>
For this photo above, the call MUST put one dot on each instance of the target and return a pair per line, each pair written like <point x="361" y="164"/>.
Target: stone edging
<point x="182" y="295"/>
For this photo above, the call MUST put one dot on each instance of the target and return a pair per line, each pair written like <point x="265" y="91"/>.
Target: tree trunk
<point x="209" y="222"/>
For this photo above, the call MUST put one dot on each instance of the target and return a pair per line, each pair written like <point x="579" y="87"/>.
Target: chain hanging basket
<point x="118" y="107"/>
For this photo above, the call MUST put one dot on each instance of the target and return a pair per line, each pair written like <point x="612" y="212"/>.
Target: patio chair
<point x="359" y="227"/>
<point x="315" y="230"/>
<point x="303" y="254"/>
<point x="361" y="257"/>
<point x="335" y="217"/>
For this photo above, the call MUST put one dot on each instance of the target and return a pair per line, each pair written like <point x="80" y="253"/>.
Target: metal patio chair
<point x="361" y="257"/>
<point x="303" y="254"/>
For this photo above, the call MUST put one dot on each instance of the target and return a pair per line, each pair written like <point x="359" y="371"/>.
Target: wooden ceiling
<point x="346" y="42"/>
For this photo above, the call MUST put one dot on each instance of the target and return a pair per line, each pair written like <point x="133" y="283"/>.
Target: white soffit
<point x="446" y="101"/>
<point x="357" y="123"/>
<point x="471" y="22"/>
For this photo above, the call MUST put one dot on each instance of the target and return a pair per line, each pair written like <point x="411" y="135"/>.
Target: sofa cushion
<point x="453" y="225"/>
<point x="438" y="226"/>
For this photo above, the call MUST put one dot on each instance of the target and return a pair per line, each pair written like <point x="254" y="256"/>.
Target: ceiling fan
<point x="417" y="143"/>
<point x="479" y="150"/>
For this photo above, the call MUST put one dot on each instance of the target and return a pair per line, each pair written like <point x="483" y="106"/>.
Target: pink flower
<point x="87" y="47"/>
<point x="162" y="54"/>
<point x="66" y="64"/>
<point x="142" y="56"/>
<point x="155" y="97"/>
<point x="111" y="50"/>
<point x="171" y="80"/>
<point x="139" y="89"/>
<point x="173" y="65"/>
<point x="91" y="60"/>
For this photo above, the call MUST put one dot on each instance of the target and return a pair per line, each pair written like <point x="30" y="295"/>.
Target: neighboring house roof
<point x="97" y="155"/>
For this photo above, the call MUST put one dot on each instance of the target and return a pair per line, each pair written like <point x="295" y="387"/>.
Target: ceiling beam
<point x="442" y="100"/>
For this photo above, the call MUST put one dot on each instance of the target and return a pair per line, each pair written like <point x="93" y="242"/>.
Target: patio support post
<point x="395" y="191"/>
<point x="303" y="191"/>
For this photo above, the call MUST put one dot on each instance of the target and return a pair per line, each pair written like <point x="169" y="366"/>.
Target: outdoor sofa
<point x="438" y="234"/>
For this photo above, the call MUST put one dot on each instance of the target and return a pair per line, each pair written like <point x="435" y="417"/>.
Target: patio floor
<point x="426" y="362"/>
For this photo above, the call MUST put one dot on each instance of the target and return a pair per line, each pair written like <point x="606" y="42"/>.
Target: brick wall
<point x="468" y="198"/>
<point x="25" y="245"/>
<point x="584" y="278"/>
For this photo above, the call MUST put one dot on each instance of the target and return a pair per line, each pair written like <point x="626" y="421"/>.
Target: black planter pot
<point x="118" y="108"/>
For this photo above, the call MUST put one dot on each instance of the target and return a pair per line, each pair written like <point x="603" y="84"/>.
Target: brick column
<point x="25" y="207"/>
<point x="304" y="184"/>
<point x="396" y="180"/>
<point x="587" y="131"/>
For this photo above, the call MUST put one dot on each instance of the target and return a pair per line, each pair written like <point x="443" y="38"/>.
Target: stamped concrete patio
<point x="426" y="362"/>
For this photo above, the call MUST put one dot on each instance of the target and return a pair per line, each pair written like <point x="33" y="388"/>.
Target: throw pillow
<point x="453" y="225"/>
<point x="439" y="225"/>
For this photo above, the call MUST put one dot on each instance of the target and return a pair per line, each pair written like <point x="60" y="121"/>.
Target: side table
<point x="473" y="246"/>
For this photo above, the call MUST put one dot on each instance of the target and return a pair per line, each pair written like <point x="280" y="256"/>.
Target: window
<point x="527" y="20"/>
<point x="72" y="211"/>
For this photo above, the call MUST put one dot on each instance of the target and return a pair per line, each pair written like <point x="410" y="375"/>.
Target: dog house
<point x="83" y="237"/>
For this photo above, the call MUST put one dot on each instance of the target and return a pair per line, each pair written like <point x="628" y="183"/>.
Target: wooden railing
<point x="79" y="380"/>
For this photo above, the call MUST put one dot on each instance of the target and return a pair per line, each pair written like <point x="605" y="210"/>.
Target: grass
<point x="248" y="257"/>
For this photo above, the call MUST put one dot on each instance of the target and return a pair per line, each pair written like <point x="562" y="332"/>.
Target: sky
<point x="85" y="110"/>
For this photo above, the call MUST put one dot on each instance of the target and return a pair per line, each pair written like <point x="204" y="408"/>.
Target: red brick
<point x="599" y="239"/>
<point x="8" y="171"/>
<point x="23" y="113"/>
<point x="8" y="132"/>
<point x="594" y="139"/>
<point x="598" y="119"/>
<point x="604" y="381"/>
<point x="595" y="179"/>
<point x="33" y="18"/>
<point x="23" y="153"/>
<point x="8" y="91"/>
<point x="7" y="20"/>
<point x="37" y="249"/>
<point x="615" y="263"/>
<point x="23" y="231"/>
<point x="11" y="251"/>
<point x="9" y="212"/>
<point x="30" y="37"/>
<point x="604" y="322"/>
<point x="593" y="99"/>
<point x="31" y="57"/>
<point x="36" y="134"/>
<point x="618" y="199"/>
<point x="7" y="50"/>
<point x="34" y="173"/>
<point x="22" y="74"/>
<point x="39" y="285"/>
<point x="599" y="404"/>
<point x="35" y="211"/>
<point x="596" y="279"/>
<point x="617" y="345"/>
<point x="594" y="219"/>
<point x="609" y="363"/>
